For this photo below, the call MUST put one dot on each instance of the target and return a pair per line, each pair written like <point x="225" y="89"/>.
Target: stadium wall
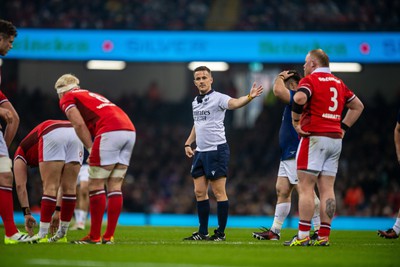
<point x="141" y="219"/>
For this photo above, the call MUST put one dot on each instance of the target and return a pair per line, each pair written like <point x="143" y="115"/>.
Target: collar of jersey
<point x="199" y="98"/>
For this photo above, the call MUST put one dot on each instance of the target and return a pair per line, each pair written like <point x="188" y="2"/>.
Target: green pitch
<point x="162" y="246"/>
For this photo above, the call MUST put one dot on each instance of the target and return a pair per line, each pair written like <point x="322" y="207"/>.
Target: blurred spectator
<point x="354" y="198"/>
<point x="193" y="15"/>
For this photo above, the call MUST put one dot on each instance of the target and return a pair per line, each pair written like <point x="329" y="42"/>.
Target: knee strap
<point x="118" y="173"/>
<point x="5" y="164"/>
<point x="96" y="172"/>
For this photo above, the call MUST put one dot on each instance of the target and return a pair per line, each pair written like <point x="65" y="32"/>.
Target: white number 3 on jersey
<point x="333" y="99"/>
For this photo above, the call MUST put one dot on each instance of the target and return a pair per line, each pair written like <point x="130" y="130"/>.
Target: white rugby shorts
<point x="319" y="154"/>
<point x="61" y="144"/>
<point x="83" y="175"/>
<point x="287" y="168"/>
<point x="112" y="148"/>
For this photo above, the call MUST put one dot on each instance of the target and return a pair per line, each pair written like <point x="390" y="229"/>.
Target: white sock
<point x="396" y="226"/>
<point x="43" y="229"/>
<point x="316" y="219"/>
<point x="83" y="216"/>
<point x="303" y="234"/>
<point x="78" y="215"/>
<point x="281" y="212"/>
<point x="63" y="229"/>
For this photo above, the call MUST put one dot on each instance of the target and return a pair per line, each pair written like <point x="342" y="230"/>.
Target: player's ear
<point x="294" y="85"/>
<point x="313" y="62"/>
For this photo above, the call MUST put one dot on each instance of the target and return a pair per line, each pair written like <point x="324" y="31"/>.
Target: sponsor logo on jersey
<point x="328" y="79"/>
<point x="201" y="112"/>
<point x="105" y="105"/>
<point x="201" y="115"/>
<point x="331" y="116"/>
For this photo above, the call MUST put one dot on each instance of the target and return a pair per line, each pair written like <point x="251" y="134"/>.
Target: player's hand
<point x="300" y="131"/>
<point x="189" y="151"/>
<point x="285" y="74"/>
<point x="30" y="224"/>
<point x="55" y="222"/>
<point x="256" y="90"/>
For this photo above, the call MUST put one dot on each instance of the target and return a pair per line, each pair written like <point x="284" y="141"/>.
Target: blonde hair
<point x="321" y="57"/>
<point x="66" y="82"/>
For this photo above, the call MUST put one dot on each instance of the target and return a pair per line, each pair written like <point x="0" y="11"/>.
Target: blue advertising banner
<point x="163" y="46"/>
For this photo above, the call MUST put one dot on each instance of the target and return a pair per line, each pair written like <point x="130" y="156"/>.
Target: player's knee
<point x="220" y="195"/>
<point x="200" y="193"/>
<point x="283" y="193"/>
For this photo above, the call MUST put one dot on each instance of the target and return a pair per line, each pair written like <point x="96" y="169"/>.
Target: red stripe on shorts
<point x="302" y="157"/>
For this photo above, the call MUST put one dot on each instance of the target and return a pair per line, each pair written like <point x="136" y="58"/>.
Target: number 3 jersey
<point x="328" y="96"/>
<point x="100" y="114"/>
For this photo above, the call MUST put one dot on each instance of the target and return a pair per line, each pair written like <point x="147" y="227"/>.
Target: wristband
<point x="296" y="108"/>
<point x="26" y="211"/>
<point x="187" y="145"/>
<point x="250" y="97"/>
<point x="344" y="126"/>
<point x="58" y="208"/>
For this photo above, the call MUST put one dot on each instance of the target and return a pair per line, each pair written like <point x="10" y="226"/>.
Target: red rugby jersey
<point x="323" y="112"/>
<point x="99" y="114"/>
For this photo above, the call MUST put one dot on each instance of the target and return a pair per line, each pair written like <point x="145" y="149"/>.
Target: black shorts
<point x="212" y="164"/>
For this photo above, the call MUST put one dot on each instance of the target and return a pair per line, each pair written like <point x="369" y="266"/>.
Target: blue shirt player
<point x="285" y="87"/>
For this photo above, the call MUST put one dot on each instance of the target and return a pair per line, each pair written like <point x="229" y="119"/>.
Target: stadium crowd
<point x="159" y="180"/>
<point x="239" y="15"/>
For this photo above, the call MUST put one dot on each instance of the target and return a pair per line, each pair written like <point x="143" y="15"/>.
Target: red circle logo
<point x="365" y="48"/>
<point x="108" y="46"/>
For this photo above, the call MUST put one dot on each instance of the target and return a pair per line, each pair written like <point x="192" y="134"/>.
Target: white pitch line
<point x="189" y="242"/>
<point x="50" y="262"/>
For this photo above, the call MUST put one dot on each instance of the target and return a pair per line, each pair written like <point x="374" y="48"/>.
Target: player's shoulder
<point x="219" y="95"/>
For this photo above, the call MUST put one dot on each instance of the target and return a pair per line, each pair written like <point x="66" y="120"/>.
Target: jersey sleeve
<point x="307" y="84"/>
<point x="349" y="95"/>
<point x="3" y="98"/>
<point x="20" y="154"/>
<point x="66" y="102"/>
<point x="224" y="100"/>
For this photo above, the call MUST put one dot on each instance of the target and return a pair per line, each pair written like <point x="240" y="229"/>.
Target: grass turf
<point x="163" y="246"/>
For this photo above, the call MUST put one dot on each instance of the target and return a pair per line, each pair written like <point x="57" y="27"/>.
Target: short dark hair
<point x="202" y="68"/>
<point x="7" y="29"/>
<point x="296" y="76"/>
